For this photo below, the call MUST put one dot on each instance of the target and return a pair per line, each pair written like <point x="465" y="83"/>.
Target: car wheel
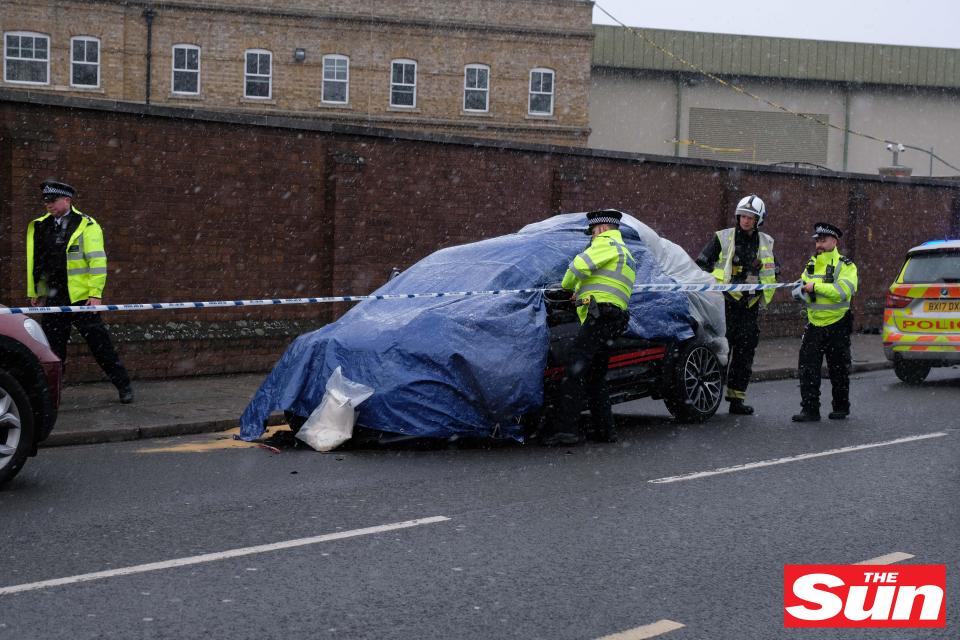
<point x="696" y="384"/>
<point x="16" y="426"/>
<point x="911" y="372"/>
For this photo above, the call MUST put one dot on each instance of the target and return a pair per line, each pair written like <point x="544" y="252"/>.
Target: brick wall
<point x="216" y="207"/>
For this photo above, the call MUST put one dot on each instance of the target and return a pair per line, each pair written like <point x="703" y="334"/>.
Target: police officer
<point x="67" y="265"/>
<point x="829" y="283"/>
<point x="601" y="279"/>
<point x="742" y="255"/>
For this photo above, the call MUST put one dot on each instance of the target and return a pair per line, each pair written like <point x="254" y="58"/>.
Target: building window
<point x="336" y="79"/>
<point x="84" y="62"/>
<point x="186" y="69"/>
<point x="541" y="92"/>
<point x="476" y="87"/>
<point x="257" y="78"/>
<point x="403" y="83"/>
<point x="26" y="58"/>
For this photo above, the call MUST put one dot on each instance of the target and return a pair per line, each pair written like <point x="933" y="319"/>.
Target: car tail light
<point x="896" y="302"/>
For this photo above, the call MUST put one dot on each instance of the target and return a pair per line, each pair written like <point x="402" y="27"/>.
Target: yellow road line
<point x="215" y="442"/>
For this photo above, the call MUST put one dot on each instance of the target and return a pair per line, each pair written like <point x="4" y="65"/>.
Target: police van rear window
<point x="939" y="266"/>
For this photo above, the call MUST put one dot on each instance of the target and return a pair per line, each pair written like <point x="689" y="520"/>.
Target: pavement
<point x="91" y="413"/>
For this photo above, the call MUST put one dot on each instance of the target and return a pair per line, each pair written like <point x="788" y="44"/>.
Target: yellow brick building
<point x="506" y="69"/>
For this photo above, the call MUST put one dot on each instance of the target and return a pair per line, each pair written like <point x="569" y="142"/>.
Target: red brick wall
<point x="203" y="208"/>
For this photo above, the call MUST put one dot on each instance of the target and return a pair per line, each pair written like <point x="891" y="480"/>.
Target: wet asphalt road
<point x="565" y="543"/>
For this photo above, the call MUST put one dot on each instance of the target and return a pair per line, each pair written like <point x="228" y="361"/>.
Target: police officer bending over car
<point x="829" y="282"/>
<point x="601" y="278"/>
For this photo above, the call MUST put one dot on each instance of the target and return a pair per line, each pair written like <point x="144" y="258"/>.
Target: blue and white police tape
<point x="157" y="306"/>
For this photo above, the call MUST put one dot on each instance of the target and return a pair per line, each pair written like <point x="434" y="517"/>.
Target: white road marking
<point x="647" y="631"/>
<point x="220" y="555"/>
<point x="805" y="456"/>
<point x="890" y="558"/>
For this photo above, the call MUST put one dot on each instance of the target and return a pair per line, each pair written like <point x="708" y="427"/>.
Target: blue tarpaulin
<point x="457" y="366"/>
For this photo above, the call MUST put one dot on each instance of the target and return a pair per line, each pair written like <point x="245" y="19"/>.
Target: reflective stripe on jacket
<point x="86" y="260"/>
<point x="605" y="272"/>
<point x="832" y="300"/>
<point x="723" y="269"/>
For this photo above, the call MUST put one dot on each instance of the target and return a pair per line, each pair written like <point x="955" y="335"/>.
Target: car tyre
<point x="911" y="372"/>
<point x="695" y="385"/>
<point x="16" y="426"/>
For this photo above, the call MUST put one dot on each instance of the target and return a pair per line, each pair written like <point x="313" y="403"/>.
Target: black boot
<point x="839" y="415"/>
<point x="603" y="433"/>
<point x="738" y="408"/>
<point x="807" y="416"/>
<point x="560" y="439"/>
<point x="126" y="394"/>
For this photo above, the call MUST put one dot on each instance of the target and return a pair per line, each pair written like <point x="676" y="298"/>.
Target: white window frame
<point x="7" y="59"/>
<point x="540" y="92"/>
<point x="174" y="70"/>
<point x="476" y="89"/>
<point x="404" y="85"/>
<point x="247" y="76"/>
<point x="345" y="81"/>
<point x="74" y="62"/>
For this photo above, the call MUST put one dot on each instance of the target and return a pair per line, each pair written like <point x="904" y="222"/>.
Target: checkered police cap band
<point x="603" y="220"/>
<point x="826" y="230"/>
<point x="54" y="189"/>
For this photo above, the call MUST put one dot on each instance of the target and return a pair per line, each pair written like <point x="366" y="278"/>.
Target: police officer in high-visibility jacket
<point x="829" y="283"/>
<point x="67" y="266"/>
<point x="601" y="278"/>
<point x="742" y="255"/>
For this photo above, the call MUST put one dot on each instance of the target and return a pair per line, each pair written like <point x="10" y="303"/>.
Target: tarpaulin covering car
<point x="468" y="366"/>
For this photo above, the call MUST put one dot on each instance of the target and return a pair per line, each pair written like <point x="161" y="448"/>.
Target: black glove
<point x="593" y="310"/>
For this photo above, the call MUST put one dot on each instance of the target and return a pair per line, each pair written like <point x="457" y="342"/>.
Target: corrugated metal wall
<point x="790" y="58"/>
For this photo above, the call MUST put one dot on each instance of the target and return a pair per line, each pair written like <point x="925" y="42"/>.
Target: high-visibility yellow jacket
<point x="723" y="270"/>
<point x="86" y="260"/>
<point x="605" y="272"/>
<point x="832" y="299"/>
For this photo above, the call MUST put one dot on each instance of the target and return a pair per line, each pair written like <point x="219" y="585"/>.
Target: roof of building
<point x="787" y="58"/>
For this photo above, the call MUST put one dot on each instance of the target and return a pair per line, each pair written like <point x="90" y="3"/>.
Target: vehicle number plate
<point x="942" y="306"/>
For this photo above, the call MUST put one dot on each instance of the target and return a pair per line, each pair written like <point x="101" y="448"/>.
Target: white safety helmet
<point x="752" y="205"/>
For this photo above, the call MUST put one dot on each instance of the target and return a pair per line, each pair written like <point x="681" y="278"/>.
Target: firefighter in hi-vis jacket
<point x="742" y="255"/>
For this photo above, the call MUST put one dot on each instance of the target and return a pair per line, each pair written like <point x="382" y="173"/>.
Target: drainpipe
<point x="846" y="124"/>
<point x="148" y="15"/>
<point x="676" y="129"/>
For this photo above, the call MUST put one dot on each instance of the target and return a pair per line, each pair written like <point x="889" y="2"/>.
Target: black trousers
<point x="585" y="378"/>
<point x="91" y="327"/>
<point x="743" y="334"/>
<point x="832" y="341"/>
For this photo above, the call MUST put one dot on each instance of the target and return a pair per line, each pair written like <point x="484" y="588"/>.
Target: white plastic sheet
<point x="331" y="423"/>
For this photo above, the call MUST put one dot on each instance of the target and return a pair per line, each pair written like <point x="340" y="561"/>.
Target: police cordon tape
<point x="156" y="306"/>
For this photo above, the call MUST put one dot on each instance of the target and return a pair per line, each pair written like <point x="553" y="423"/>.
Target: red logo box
<point x="859" y="595"/>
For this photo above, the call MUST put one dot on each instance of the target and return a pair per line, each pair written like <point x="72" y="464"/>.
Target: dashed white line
<point x="804" y="456"/>
<point x="647" y="631"/>
<point x="220" y="555"/>
<point x="889" y="558"/>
